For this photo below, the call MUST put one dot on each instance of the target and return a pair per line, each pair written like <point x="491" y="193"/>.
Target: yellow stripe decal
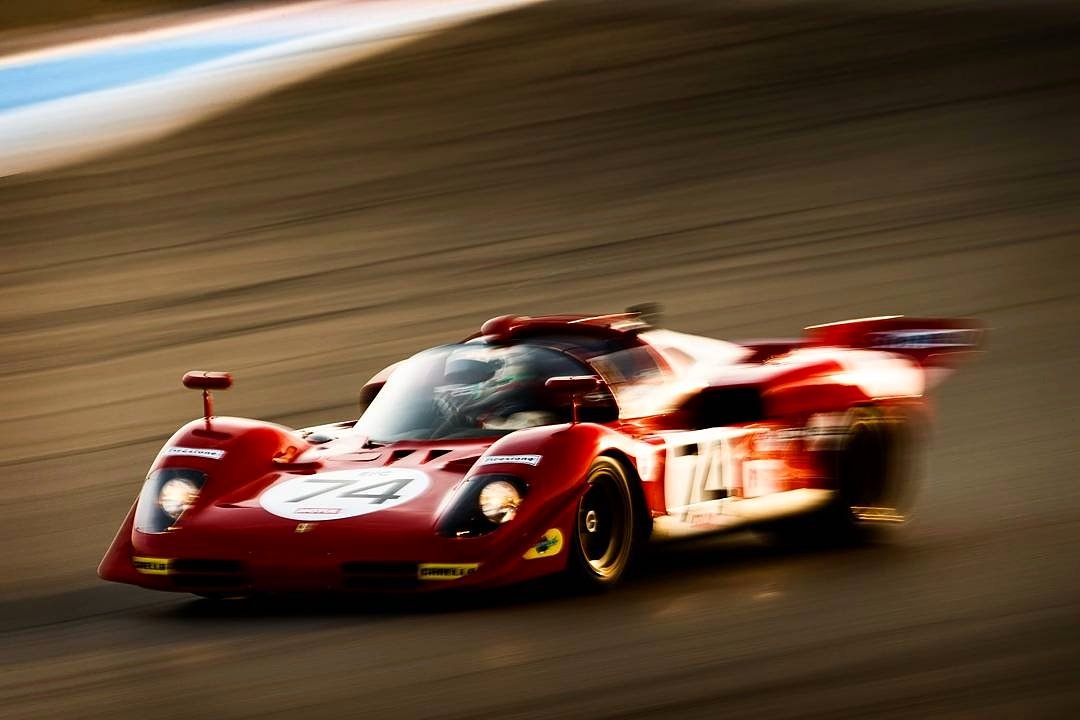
<point x="151" y="565"/>
<point x="445" y="571"/>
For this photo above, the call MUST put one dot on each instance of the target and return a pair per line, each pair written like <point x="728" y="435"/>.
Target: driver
<point x="496" y="392"/>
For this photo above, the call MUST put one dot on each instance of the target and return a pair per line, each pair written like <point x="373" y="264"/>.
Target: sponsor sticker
<point x="445" y="571"/>
<point x="342" y="493"/>
<point x="533" y="460"/>
<point x="550" y="544"/>
<point x="207" y="453"/>
<point x="926" y="339"/>
<point x="151" y="565"/>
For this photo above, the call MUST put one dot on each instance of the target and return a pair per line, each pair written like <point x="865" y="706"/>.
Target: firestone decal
<point x="533" y="460"/>
<point x="343" y="493"/>
<point x="196" y="452"/>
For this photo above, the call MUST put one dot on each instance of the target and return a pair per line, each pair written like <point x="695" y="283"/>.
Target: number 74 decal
<point x="364" y="492"/>
<point x="704" y="466"/>
<point x="342" y="493"/>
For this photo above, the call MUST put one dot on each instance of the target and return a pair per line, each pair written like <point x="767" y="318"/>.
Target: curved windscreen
<point x="469" y="391"/>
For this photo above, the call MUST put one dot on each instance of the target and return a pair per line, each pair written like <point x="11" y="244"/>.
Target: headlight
<point x="176" y="495"/>
<point x="165" y="495"/>
<point x="481" y="505"/>
<point x="499" y="501"/>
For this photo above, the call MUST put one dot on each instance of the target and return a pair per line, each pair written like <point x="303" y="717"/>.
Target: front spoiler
<point x="233" y="577"/>
<point x="207" y="561"/>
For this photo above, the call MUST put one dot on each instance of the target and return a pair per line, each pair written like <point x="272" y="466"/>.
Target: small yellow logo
<point x="550" y="544"/>
<point x="305" y="527"/>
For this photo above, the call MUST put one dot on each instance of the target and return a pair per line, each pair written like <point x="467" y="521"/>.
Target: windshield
<point x="470" y="391"/>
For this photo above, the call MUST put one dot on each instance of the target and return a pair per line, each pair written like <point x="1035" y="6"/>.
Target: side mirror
<point x="573" y="385"/>
<point x="203" y="380"/>
<point x="207" y="381"/>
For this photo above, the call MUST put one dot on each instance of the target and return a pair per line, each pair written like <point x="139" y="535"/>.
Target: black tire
<point x="607" y="531"/>
<point x="871" y="469"/>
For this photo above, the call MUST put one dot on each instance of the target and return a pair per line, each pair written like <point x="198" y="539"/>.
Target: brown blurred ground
<point x="755" y="167"/>
<point x="20" y="14"/>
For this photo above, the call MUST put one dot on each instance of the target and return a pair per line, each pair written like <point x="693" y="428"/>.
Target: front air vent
<point x="192" y="583"/>
<point x="379" y="576"/>
<point x="398" y="455"/>
<point x="193" y="574"/>
<point x="206" y="566"/>
<point x="436" y="454"/>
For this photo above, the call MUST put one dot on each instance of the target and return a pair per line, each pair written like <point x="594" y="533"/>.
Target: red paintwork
<point x="227" y="523"/>
<point x="874" y="333"/>
<point x="205" y="380"/>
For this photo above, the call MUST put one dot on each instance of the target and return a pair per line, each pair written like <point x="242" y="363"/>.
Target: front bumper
<point x="207" y="576"/>
<point x="282" y="557"/>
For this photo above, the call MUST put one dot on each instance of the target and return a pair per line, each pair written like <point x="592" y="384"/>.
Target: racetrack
<point x="755" y="167"/>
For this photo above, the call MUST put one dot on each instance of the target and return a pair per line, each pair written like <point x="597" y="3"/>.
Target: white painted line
<point x="77" y="128"/>
<point x="164" y="33"/>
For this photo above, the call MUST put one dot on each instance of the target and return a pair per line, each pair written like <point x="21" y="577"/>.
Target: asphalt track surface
<point x="755" y="167"/>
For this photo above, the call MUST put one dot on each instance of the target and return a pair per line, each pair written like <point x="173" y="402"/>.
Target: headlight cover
<point x="177" y="495"/>
<point x="165" y="495"/>
<point x="499" y="501"/>
<point x="483" y="504"/>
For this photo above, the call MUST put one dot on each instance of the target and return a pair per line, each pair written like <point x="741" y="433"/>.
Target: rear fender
<point x="938" y="345"/>
<point x="812" y="385"/>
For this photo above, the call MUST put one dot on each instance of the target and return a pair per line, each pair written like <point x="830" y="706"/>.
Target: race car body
<point x="543" y="446"/>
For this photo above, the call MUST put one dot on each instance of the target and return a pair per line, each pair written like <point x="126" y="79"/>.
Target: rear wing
<point x="935" y="343"/>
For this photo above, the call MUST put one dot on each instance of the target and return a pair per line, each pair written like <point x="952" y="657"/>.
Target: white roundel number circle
<point x="343" y="493"/>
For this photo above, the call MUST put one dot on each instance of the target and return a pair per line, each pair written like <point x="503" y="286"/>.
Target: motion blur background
<point x="755" y="166"/>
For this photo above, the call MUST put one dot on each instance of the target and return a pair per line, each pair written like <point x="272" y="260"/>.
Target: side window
<point x="632" y="365"/>
<point x="637" y="381"/>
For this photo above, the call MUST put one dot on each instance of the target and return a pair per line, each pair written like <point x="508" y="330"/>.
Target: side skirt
<point x="729" y="514"/>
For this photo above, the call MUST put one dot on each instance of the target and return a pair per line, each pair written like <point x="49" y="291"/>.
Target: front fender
<point x="553" y="461"/>
<point x="553" y="457"/>
<point x="231" y="453"/>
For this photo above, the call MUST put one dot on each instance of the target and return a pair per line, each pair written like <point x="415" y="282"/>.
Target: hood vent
<point x="399" y="454"/>
<point x="436" y="454"/>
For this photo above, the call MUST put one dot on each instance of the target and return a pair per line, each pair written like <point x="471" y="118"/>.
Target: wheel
<point x="605" y="536"/>
<point x="874" y="479"/>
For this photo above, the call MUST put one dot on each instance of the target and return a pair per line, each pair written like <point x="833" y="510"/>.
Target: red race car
<point x="543" y="446"/>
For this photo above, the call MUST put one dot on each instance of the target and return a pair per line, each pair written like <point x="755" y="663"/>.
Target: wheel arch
<point x="642" y="514"/>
